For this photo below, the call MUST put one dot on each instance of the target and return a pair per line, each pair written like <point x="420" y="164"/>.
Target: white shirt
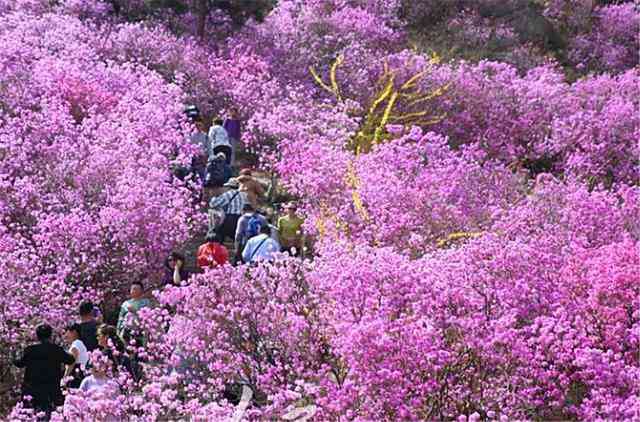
<point x="83" y="354"/>
<point x="217" y="137"/>
<point x="92" y="383"/>
<point x="260" y="248"/>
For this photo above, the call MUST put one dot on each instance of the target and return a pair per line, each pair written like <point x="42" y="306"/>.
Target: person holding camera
<point x="175" y="272"/>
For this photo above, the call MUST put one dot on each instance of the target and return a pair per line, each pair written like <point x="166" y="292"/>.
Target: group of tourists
<point x="234" y="211"/>
<point x="98" y="352"/>
<point x="217" y="147"/>
<point x="233" y="215"/>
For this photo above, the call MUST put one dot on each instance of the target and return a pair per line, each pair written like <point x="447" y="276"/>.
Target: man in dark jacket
<point x="88" y="326"/>
<point x="43" y="370"/>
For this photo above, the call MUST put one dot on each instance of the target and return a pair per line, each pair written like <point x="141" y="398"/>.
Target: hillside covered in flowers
<point x="468" y="171"/>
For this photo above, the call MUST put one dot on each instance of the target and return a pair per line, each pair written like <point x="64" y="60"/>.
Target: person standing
<point x="231" y="203"/>
<point x="290" y="229"/>
<point x="100" y="374"/>
<point x="200" y="139"/>
<point x="232" y="126"/>
<point x="249" y="225"/>
<point x="261" y="247"/>
<point x="175" y="272"/>
<point x="113" y="347"/>
<point x="88" y="326"/>
<point x="219" y="140"/>
<point x="43" y="370"/>
<point x="128" y="318"/>
<point x="79" y="351"/>
<point x="218" y="171"/>
<point x="251" y="186"/>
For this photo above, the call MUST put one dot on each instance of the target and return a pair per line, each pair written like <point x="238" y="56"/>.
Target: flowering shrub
<point x="411" y="193"/>
<point x="476" y="238"/>
<point x="613" y="42"/>
<point x="601" y="38"/>
<point x="266" y="326"/>
<point x="504" y="326"/>
<point x="541" y="121"/>
<point x="88" y="202"/>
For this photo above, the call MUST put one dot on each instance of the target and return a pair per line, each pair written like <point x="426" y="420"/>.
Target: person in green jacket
<point x="128" y="318"/>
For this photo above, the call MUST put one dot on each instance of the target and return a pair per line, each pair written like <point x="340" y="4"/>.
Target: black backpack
<point x="215" y="173"/>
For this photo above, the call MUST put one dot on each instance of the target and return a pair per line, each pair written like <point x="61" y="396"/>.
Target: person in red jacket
<point x="212" y="253"/>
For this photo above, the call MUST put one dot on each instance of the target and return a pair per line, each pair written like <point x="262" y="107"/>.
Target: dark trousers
<point x="44" y="397"/>
<point x="78" y="376"/>
<point x="227" y="228"/>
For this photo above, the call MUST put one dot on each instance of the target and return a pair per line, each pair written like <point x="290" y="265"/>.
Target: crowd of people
<point x="49" y="368"/>
<point x="96" y="351"/>
<point x="234" y="202"/>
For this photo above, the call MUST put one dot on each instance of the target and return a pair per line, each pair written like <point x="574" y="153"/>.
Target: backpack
<point x="207" y="256"/>
<point x="215" y="173"/>
<point x="253" y="226"/>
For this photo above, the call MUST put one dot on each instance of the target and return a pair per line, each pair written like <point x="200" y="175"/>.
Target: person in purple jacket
<point x="232" y="126"/>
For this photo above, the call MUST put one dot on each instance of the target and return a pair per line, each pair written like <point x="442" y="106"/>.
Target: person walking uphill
<point x="231" y="203"/>
<point x="251" y="186"/>
<point x="261" y="247"/>
<point x="232" y="126"/>
<point x="219" y="141"/>
<point x="43" y="370"/>
<point x="200" y="139"/>
<point x="211" y="253"/>
<point x="249" y="225"/>
<point x="218" y="172"/>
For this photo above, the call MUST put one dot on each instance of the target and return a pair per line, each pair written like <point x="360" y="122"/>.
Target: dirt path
<point x="190" y="248"/>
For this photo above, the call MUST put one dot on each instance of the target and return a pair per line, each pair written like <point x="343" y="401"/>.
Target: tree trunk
<point x="203" y="13"/>
<point x="116" y="7"/>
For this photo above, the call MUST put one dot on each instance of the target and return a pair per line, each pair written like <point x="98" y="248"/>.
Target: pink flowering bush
<point x="412" y="192"/>
<point x="317" y="31"/>
<point x="613" y="42"/>
<point x="481" y="263"/>
<point x="476" y="328"/>
<point x="601" y="38"/>
<point x="542" y="122"/>
<point x="417" y="190"/>
<point x="267" y="329"/>
<point x="88" y="201"/>
<point x="86" y="9"/>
